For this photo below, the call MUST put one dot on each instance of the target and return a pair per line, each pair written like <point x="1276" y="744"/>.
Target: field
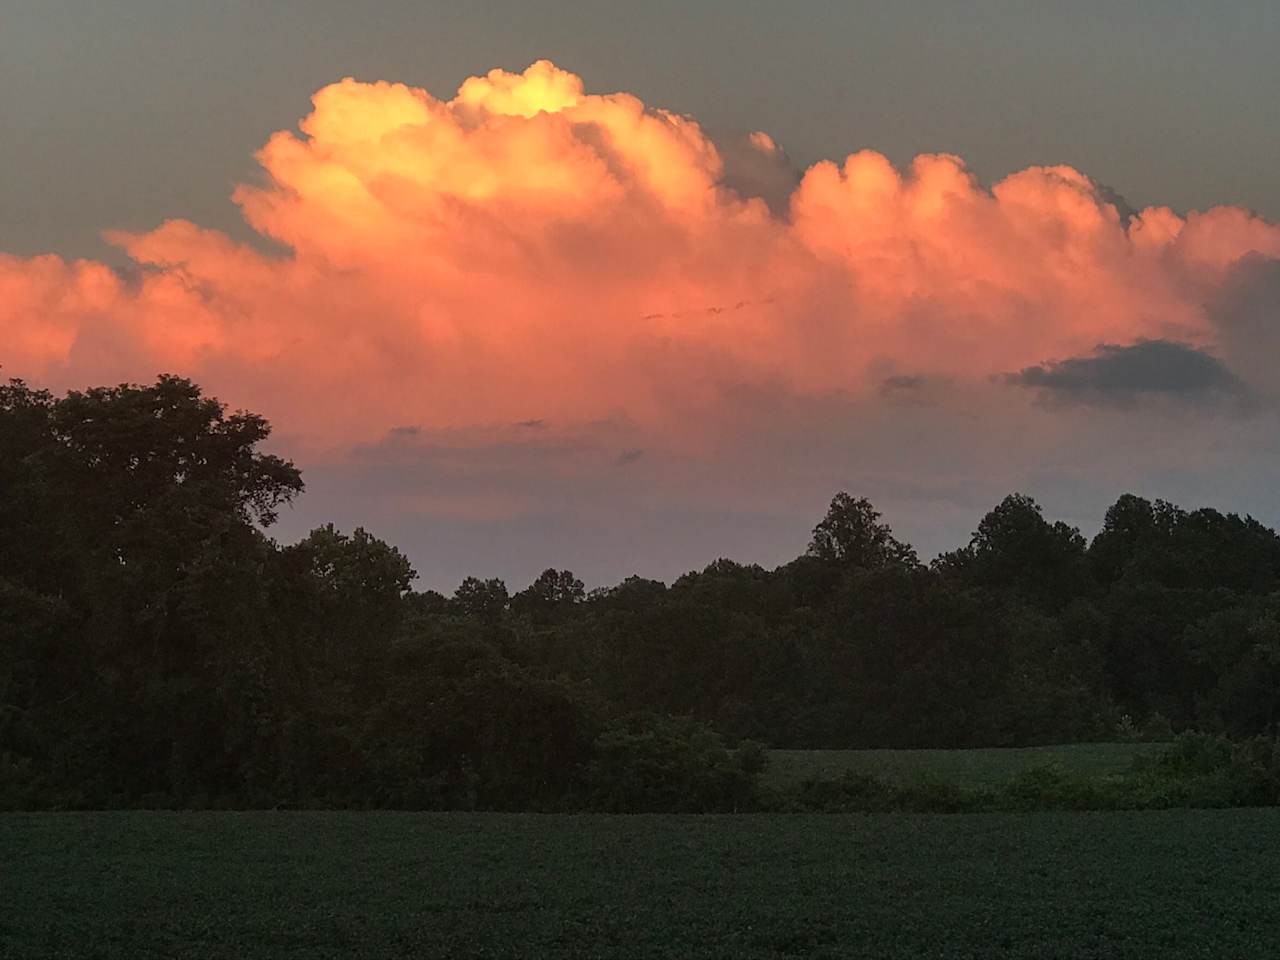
<point x="968" y="768"/>
<point x="326" y="885"/>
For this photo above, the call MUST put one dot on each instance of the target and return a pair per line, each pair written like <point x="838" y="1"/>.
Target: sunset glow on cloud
<point x="529" y="250"/>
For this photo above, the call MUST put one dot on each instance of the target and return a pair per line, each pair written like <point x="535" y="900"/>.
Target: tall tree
<point x="852" y="535"/>
<point x="1015" y="551"/>
<point x="140" y="507"/>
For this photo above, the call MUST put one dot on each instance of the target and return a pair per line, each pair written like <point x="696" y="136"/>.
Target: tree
<point x="138" y="509"/>
<point x="553" y="592"/>
<point x="481" y="599"/>
<point x="157" y="647"/>
<point x="356" y="587"/>
<point x="1129" y="522"/>
<point x="852" y="535"/>
<point x="1016" y="551"/>
<point x="146" y="445"/>
<point x="130" y="479"/>
<point x="356" y="563"/>
<point x="635" y="593"/>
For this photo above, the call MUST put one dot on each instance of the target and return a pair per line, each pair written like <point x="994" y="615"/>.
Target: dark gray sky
<point x="121" y="113"/>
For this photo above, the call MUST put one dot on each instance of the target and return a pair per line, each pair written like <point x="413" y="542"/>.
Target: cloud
<point x="1121" y="375"/>
<point x="757" y="166"/>
<point x="535" y="276"/>
<point x="529" y="244"/>
<point x="1245" y="310"/>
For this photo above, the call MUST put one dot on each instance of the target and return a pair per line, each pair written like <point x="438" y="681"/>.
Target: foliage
<point x="157" y="648"/>
<point x="977" y="769"/>
<point x="852" y="535"/>
<point x="1196" y="770"/>
<point x="648" y="764"/>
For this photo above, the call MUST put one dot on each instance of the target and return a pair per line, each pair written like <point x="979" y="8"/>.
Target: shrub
<point x="1048" y="787"/>
<point x="1206" y="770"/>
<point x="930" y="795"/>
<point x="652" y="764"/>
<point x="850" y="793"/>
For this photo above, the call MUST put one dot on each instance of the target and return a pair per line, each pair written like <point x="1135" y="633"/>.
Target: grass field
<point x="326" y="885"/>
<point x="968" y="768"/>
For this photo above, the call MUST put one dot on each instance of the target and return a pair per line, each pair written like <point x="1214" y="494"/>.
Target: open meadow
<point x="271" y="885"/>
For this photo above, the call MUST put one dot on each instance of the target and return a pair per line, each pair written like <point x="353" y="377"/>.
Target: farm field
<point x="967" y="768"/>
<point x="1187" y="883"/>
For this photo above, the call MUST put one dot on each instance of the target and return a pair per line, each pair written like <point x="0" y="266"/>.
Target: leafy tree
<point x="481" y="599"/>
<point x="553" y="593"/>
<point x="361" y="583"/>
<point x="156" y="647"/>
<point x="1238" y="650"/>
<point x="1015" y="550"/>
<point x="634" y="593"/>
<point x="139" y="506"/>
<point x="852" y="535"/>
<point x="1129" y="522"/>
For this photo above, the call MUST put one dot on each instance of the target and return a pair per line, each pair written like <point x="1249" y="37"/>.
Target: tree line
<point x="157" y="647"/>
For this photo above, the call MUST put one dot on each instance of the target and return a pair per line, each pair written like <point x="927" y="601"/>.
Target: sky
<point x="627" y="288"/>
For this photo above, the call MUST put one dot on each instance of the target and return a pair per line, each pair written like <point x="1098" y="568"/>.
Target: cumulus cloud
<point x="528" y="250"/>
<point x="540" y="279"/>
<point x="1121" y="375"/>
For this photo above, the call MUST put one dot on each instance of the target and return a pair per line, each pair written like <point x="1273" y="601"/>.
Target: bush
<point x="1048" y="787"/>
<point x="653" y="764"/>
<point x="930" y="795"/>
<point x="859" y="793"/>
<point x="1206" y="770"/>
<point x="850" y="793"/>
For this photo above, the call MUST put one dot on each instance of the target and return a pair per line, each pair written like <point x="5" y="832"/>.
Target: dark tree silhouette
<point x="852" y="535"/>
<point x="157" y="648"/>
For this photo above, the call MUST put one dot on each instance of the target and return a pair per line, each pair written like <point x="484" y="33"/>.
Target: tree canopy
<point x="157" y="647"/>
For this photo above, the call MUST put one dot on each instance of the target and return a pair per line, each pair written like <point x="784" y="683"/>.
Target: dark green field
<point x="968" y="768"/>
<point x="271" y="885"/>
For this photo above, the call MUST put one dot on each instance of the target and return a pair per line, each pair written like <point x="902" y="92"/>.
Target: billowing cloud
<point x="527" y="264"/>
<point x="528" y="250"/>
<point x="1123" y="375"/>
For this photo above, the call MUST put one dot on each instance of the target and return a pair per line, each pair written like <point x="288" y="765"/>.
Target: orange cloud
<point x="529" y="250"/>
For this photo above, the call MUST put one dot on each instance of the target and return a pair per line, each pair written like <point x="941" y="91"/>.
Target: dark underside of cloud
<point x="1120" y="376"/>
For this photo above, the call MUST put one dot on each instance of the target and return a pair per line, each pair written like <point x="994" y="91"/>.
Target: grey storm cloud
<point x="1115" y="375"/>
